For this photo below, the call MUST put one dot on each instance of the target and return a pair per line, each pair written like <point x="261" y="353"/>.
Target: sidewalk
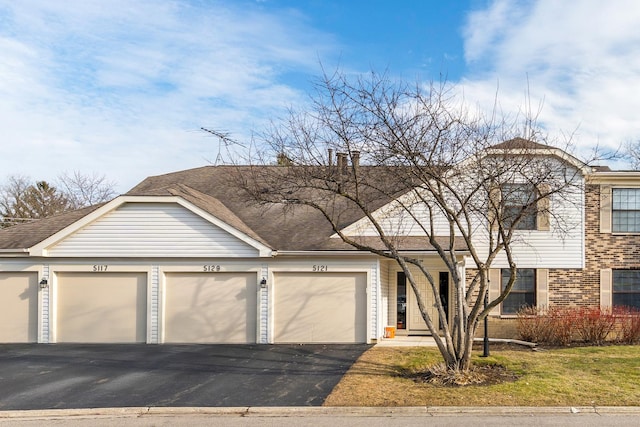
<point x="428" y="341"/>
<point x="407" y="341"/>
<point x="304" y="411"/>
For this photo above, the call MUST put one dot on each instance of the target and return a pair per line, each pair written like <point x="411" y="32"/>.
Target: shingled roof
<point x="215" y="190"/>
<point x="280" y="226"/>
<point x="24" y="236"/>
<point x="520" y="144"/>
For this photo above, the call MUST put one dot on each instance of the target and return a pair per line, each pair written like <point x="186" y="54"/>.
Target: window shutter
<point x="542" y="288"/>
<point x="605" y="209"/>
<point x="543" y="208"/>
<point x="606" y="285"/>
<point x="495" y="287"/>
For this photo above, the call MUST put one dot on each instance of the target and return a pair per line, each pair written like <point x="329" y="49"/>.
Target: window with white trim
<point x="625" y="213"/>
<point x="523" y="292"/>
<point x="626" y="288"/>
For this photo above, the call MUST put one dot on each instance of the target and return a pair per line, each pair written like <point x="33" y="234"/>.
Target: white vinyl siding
<point x="385" y="311"/>
<point x="152" y="230"/>
<point x="263" y="307"/>
<point x="154" y="306"/>
<point x="45" y="304"/>
<point x="559" y="246"/>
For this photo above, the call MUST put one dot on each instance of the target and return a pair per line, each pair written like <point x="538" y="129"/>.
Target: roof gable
<point x="150" y="226"/>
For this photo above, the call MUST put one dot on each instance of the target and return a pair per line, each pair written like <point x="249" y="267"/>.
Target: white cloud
<point x="582" y="59"/>
<point x="121" y="87"/>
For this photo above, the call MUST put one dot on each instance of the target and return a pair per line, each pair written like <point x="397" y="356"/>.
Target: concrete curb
<point x="316" y="411"/>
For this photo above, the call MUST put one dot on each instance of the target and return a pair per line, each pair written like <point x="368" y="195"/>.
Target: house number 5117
<point x="100" y="267"/>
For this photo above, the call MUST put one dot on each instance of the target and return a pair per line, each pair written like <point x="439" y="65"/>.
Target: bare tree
<point x="631" y="151"/>
<point x="21" y="201"/>
<point x="416" y="164"/>
<point x="86" y="190"/>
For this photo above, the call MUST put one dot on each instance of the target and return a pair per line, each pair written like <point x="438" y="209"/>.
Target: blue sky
<point x="121" y="87"/>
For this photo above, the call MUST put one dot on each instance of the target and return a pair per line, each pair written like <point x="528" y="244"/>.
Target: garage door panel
<point x="101" y="308"/>
<point x="18" y="307"/>
<point x="320" y="308"/>
<point x="210" y="308"/>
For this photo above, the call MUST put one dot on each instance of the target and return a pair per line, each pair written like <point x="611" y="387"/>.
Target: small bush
<point x="628" y="331"/>
<point x="594" y="325"/>
<point x="531" y="324"/>
<point x="591" y="325"/>
<point x="553" y="326"/>
<point x="561" y="325"/>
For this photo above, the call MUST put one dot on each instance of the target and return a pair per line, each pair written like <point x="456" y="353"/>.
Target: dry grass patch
<point x="394" y="376"/>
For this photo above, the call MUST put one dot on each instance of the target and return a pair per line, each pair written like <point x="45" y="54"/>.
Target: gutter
<point x="355" y="252"/>
<point x="14" y="251"/>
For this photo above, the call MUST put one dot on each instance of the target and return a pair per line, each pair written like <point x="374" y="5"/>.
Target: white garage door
<point x="18" y="307"/>
<point x="320" y="308"/>
<point x="101" y="307"/>
<point x="210" y="308"/>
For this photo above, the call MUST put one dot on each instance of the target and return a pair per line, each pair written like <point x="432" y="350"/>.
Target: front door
<point x="409" y="318"/>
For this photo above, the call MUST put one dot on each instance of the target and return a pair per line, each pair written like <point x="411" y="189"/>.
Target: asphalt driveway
<point x="41" y="376"/>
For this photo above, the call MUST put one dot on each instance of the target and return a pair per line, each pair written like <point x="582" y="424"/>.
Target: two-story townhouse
<point x="612" y="239"/>
<point x="183" y="257"/>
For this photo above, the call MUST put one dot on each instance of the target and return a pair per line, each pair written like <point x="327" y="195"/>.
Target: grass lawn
<point x="580" y="376"/>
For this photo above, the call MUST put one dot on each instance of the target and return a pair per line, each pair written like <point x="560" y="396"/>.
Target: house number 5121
<point x="320" y="268"/>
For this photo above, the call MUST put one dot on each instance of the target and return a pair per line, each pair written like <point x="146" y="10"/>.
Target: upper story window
<point x="626" y="210"/>
<point x="626" y="288"/>
<point x="519" y="207"/>
<point x="523" y="292"/>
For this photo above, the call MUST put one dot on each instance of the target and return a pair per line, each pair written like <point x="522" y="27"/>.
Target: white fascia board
<point x="553" y="152"/>
<point x="615" y="177"/>
<point x="14" y="253"/>
<point x="41" y="248"/>
<point x="354" y="252"/>
<point x="10" y="251"/>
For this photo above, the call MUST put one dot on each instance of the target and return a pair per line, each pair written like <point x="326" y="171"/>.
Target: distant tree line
<point x="22" y="200"/>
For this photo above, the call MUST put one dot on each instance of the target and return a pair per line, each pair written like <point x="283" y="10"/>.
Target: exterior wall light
<point x="44" y="283"/>
<point x="263" y="282"/>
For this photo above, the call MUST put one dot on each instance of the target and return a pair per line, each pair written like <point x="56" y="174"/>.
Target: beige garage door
<point x="101" y="307"/>
<point x="18" y="307"/>
<point x="320" y="308"/>
<point x="210" y="308"/>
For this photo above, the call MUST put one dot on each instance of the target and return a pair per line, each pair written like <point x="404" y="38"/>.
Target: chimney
<point x="330" y="156"/>
<point x="342" y="163"/>
<point x="355" y="160"/>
